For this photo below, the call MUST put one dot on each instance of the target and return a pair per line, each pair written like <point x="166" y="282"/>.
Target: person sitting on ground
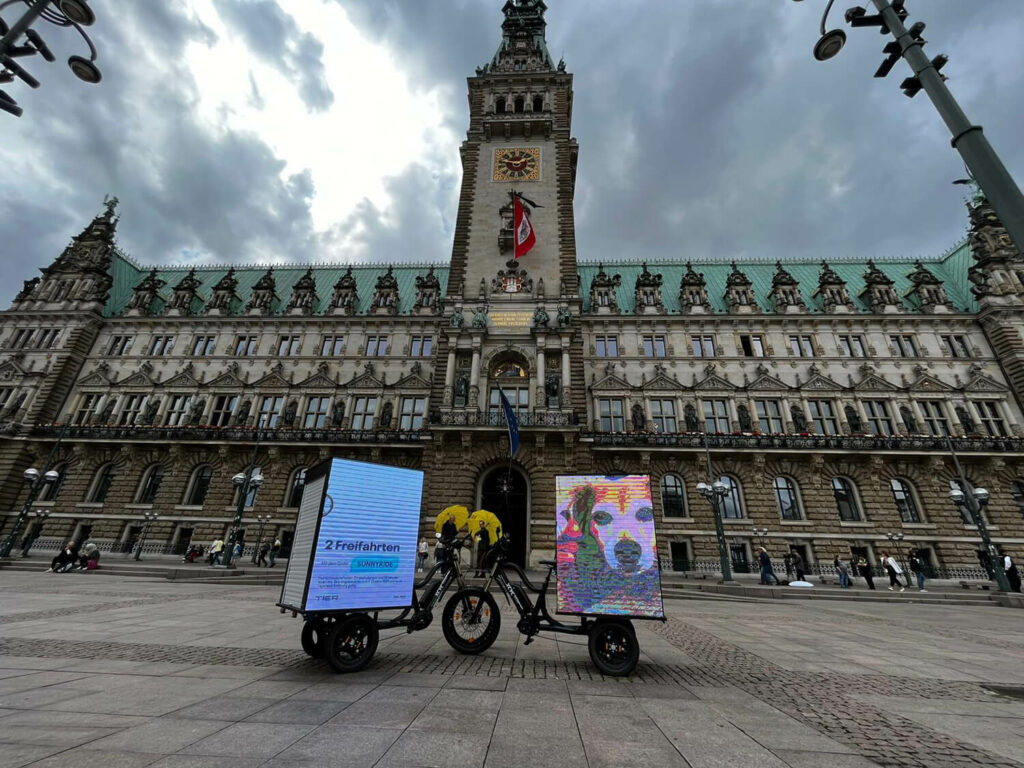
<point x="64" y="558"/>
<point x="90" y="551"/>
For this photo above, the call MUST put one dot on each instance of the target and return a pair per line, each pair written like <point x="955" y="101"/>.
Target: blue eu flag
<point x="513" y="424"/>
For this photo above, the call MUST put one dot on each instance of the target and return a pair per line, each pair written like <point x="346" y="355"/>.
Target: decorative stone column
<point x="474" y="376"/>
<point x="449" y="374"/>
<point x="566" y="379"/>
<point x="542" y="400"/>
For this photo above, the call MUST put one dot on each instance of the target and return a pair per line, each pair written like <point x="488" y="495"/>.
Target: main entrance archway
<point x="506" y="493"/>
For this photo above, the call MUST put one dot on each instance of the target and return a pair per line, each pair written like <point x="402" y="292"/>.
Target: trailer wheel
<point x="351" y="643"/>
<point x="314" y="637"/>
<point x="613" y="647"/>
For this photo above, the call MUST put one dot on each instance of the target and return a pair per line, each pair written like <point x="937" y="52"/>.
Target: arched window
<point x="512" y="379"/>
<point x="520" y="104"/>
<point x="538" y="103"/>
<point x="786" y="498"/>
<point x="101" y="483"/>
<point x="846" y="499"/>
<point x="673" y="501"/>
<point x="198" y="486"/>
<point x="52" y="490"/>
<point x="731" y="506"/>
<point x="150" y="485"/>
<point x="1017" y="492"/>
<point x="499" y="105"/>
<point x="903" y="495"/>
<point x="295" y="486"/>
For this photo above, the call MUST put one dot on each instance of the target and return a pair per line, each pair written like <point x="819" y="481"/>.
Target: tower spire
<point x="523" y="45"/>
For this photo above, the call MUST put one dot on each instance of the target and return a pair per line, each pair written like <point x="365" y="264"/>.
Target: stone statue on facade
<point x="290" y="411"/>
<point x="457" y="321"/>
<point x="385" y="416"/>
<point x="853" y="419"/>
<point x="564" y="318"/>
<point x="965" y="420"/>
<point x="243" y="412"/>
<point x="337" y="413"/>
<point x="462" y="388"/>
<point x="540" y="318"/>
<point x="690" y="417"/>
<point x="799" y="419"/>
<point x="195" y="413"/>
<point x="480" y="317"/>
<point x="552" y="385"/>
<point x="908" y="419"/>
<point x="638" y="419"/>
<point x="149" y="412"/>
<point x="746" y="423"/>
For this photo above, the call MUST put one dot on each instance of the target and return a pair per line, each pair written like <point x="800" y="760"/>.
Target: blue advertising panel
<point x="365" y="555"/>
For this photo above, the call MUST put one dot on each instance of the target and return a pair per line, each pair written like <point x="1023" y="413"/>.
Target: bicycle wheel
<point x="462" y="632"/>
<point x="613" y="647"/>
<point x="314" y="635"/>
<point x="351" y="643"/>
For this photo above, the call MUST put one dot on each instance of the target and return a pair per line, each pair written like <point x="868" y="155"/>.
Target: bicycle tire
<point x="314" y="636"/>
<point x="478" y="642"/>
<point x="351" y="643"/>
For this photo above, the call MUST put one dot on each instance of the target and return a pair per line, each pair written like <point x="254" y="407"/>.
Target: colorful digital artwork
<point x="606" y="549"/>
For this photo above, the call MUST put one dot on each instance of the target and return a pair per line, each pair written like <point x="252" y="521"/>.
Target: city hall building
<point x="822" y="390"/>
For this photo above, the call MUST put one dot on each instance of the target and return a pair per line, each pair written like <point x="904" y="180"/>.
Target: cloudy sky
<point x="328" y="130"/>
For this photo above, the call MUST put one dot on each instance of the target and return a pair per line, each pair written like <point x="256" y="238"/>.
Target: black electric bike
<point x="471" y="619"/>
<point x="349" y="639"/>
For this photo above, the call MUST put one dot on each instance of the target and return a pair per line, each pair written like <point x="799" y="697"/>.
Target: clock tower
<point x="520" y="117"/>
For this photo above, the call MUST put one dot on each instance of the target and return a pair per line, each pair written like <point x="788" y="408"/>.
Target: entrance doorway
<point x="506" y="493"/>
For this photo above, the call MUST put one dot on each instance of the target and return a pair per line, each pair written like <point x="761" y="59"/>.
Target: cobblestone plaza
<point x="119" y="672"/>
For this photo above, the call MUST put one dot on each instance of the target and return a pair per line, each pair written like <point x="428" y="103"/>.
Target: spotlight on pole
<point x="830" y="44"/>
<point x="84" y="69"/>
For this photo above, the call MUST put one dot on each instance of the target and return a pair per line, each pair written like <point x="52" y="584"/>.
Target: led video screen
<point x="606" y="549"/>
<point x="365" y="555"/>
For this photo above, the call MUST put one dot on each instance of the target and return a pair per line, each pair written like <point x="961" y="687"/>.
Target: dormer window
<point x="602" y="298"/>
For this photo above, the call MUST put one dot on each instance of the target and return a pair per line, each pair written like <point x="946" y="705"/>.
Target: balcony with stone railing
<point x="232" y="434"/>
<point x="445" y="417"/>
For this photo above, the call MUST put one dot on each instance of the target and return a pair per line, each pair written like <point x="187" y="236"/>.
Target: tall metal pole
<point x="968" y="139"/>
<point x="723" y="545"/>
<point x="994" y="559"/>
<point x="33" y="493"/>
<point x="243" y="491"/>
<point x="35" y="9"/>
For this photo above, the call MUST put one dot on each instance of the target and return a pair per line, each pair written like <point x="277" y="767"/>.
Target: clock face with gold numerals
<point x="517" y="164"/>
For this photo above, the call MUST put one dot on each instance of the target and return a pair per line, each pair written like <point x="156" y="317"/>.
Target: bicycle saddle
<point x="548" y="563"/>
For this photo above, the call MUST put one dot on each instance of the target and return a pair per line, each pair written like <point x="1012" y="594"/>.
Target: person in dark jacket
<point x="917" y="567"/>
<point x="65" y="558"/>
<point x="798" y="566"/>
<point x="483" y="538"/>
<point x="864" y="567"/>
<point x="264" y="550"/>
<point x="766" y="567"/>
<point x="843" y="571"/>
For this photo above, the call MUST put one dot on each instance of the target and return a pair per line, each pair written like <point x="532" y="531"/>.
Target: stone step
<point x="797" y="593"/>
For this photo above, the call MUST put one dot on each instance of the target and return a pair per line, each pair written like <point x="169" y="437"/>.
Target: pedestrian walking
<point x="264" y="551"/>
<point x="798" y="566"/>
<point x="422" y="551"/>
<point x="864" y="567"/>
<point x="843" y="570"/>
<point x="766" y="567"/>
<point x="275" y="548"/>
<point x="787" y="560"/>
<point x="216" y="550"/>
<point x="894" y="571"/>
<point x="917" y="568"/>
<point x="239" y="548"/>
<point x="483" y="539"/>
<point x="1012" y="574"/>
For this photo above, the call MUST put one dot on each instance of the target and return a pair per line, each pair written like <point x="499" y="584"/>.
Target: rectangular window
<point x="752" y="346"/>
<point x="801" y="346"/>
<point x="934" y="417"/>
<point x="769" y="416"/>
<point x="716" y="416"/>
<point x="413" y="409"/>
<point x="332" y="346"/>
<point x="47" y="338"/>
<point x="611" y="414"/>
<point x="203" y="346"/>
<point x="823" y="417"/>
<point x="654" y="346"/>
<point x="316" y="412"/>
<point x="270" y="409"/>
<point x="991" y="420"/>
<point x="607" y="346"/>
<point x="223" y="408"/>
<point x="161" y="345"/>
<point x="363" y="412"/>
<point x="703" y="346"/>
<point x="287" y="346"/>
<point x="852" y="346"/>
<point x="21" y="338"/>
<point x="245" y="346"/>
<point x="518" y="398"/>
<point x="131" y="409"/>
<point x="87" y="409"/>
<point x="5" y="396"/>
<point x="955" y="345"/>
<point x="879" y="420"/>
<point x="119" y="345"/>
<point x="177" y="410"/>
<point x="376" y="346"/>
<point x="663" y="414"/>
<point x="421" y="346"/>
<point x="903" y="345"/>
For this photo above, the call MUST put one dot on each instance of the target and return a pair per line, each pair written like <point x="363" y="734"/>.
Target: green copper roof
<point x="951" y="269"/>
<point x="127" y="275"/>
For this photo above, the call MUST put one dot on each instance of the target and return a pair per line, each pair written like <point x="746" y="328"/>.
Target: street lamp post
<point x="974" y="503"/>
<point x="40" y="516"/>
<point x="147" y="518"/>
<point x="262" y="520"/>
<point x="243" y="481"/>
<point x="713" y="494"/>
<point x="37" y="481"/>
<point x="968" y="139"/>
<point x="761" y="533"/>
<point x="61" y="13"/>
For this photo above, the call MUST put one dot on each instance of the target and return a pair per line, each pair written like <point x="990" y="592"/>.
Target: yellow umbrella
<point x="490" y="521"/>
<point x="458" y="511"/>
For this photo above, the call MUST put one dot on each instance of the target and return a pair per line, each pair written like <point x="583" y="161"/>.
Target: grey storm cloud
<point x="706" y="130"/>
<point x="274" y="36"/>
